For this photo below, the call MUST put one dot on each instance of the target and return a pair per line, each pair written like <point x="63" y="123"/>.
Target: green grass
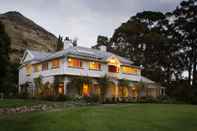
<point x="9" y="103"/>
<point x="132" y="117"/>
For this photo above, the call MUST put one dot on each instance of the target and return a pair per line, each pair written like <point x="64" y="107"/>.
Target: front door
<point x="61" y="88"/>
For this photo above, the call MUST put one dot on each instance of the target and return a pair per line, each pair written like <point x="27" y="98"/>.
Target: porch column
<point x="116" y="89"/>
<point x="66" y="80"/>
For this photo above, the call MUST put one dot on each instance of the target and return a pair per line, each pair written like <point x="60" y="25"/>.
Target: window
<point x="44" y="66"/>
<point x="37" y="67"/>
<point x="113" y="69"/>
<point x="94" y="66"/>
<point x="86" y="90"/>
<point x="129" y="70"/>
<point x="28" y="69"/>
<point x="55" y="63"/>
<point x="76" y="63"/>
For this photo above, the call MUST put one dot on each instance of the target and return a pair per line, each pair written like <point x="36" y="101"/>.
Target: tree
<point x="102" y="40"/>
<point x="60" y="43"/>
<point x="123" y="83"/>
<point x="104" y="84"/>
<point x="8" y="70"/>
<point x="143" y="39"/>
<point x="78" y="82"/>
<point x="39" y="85"/>
<point x="185" y="26"/>
<point x="164" y="44"/>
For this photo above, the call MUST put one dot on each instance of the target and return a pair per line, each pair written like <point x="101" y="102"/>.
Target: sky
<point x="83" y="19"/>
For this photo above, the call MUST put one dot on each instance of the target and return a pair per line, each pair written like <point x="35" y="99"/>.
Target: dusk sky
<point x="84" y="19"/>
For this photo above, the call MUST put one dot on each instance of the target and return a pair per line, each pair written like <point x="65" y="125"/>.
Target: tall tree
<point x="143" y="40"/>
<point x="103" y="40"/>
<point x="4" y="58"/>
<point x="184" y="21"/>
<point x="60" y="43"/>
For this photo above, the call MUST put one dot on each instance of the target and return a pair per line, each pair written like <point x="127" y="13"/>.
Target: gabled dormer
<point x="113" y="64"/>
<point x="28" y="56"/>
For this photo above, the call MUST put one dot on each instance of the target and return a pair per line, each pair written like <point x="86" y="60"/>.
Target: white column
<point x="66" y="80"/>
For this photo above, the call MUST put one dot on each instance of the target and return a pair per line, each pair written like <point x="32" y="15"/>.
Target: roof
<point x="79" y="52"/>
<point x="146" y="80"/>
<point x="39" y="55"/>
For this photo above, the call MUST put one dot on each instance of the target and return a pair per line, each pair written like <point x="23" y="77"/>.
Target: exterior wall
<point x="65" y="71"/>
<point x="84" y="71"/>
<point x="154" y="90"/>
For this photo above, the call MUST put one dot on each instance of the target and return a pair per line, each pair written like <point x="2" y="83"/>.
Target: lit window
<point x="94" y="66"/>
<point x="28" y="69"/>
<point x="61" y="88"/>
<point x="129" y="70"/>
<point x="76" y="63"/>
<point x="45" y="66"/>
<point x="85" y="91"/>
<point x="37" y="68"/>
<point x="113" y="69"/>
<point x="55" y="63"/>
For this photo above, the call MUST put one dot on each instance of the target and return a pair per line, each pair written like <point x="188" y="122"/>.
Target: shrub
<point x="55" y="98"/>
<point x="92" y="98"/>
<point x="147" y="100"/>
<point x="23" y="95"/>
<point x="193" y="98"/>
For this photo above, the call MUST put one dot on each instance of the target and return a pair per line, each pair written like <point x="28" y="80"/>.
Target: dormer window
<point x="113" y="65"/>
<point x="75" y="63"/>
<point x="113" y="69"/>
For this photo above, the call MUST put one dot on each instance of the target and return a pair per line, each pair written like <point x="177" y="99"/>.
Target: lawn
<point x="130" y="117"/>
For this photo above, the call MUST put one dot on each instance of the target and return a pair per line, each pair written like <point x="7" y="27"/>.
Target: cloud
<point x="84" y="19"/>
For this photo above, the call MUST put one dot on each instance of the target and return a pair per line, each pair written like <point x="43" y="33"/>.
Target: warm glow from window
<point x="45" y="66"/>
<point x="28" y="69"/>
<point x="94" y="66"/>
<point x="113" y="69"/>
<point x="76" y="63"/>
<point x="114" y="61"/>
<point x="85" y="90"/>
<point x="61" y="89"/>
<point x="37" y="67"/>
<point x="55" y="63"/>
<point x="129" y="70"/>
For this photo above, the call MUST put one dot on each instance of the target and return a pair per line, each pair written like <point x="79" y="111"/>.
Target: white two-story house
<point x="83" y="62"/>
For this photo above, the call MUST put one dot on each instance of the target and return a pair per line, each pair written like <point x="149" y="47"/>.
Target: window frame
<point x="55" y="66"/>
<point x="43" y="65"/>
<point x="71" y="66"/>
<point x="117" y="69"/>
<point x="130" y="73"/>
<point x="91" y="62"/>
<point x="37" y="68"/>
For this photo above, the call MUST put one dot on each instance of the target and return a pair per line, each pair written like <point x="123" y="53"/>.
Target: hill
<point x="24" y="33"/>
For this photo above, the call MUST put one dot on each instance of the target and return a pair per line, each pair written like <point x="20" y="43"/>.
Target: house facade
<point x="74" y="62"/>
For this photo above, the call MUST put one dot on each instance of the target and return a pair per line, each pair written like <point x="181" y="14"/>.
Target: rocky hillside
<point x="26" y="34"/>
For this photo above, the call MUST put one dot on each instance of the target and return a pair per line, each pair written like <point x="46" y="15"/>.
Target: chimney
<point x="67" y="43"/>
<point x="103" y="48"/>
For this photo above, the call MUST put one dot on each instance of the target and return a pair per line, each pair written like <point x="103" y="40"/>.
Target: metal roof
<point x="79" y="51"/>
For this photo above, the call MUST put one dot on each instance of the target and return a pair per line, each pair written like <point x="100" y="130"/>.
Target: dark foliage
<point x="8" y="71"/>
<point x="164" y="44"/>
